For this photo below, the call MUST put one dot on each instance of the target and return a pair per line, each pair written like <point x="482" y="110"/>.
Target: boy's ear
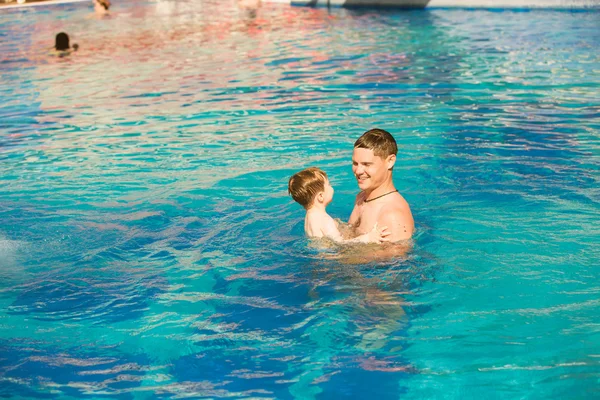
<point x="391" y="160"/>
<point x="320" y="196"/>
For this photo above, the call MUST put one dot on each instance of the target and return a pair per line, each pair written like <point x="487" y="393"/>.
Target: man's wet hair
<point x="304" y="185"/>
<point x="62" y="41"/>
<point x="380" y="141"/>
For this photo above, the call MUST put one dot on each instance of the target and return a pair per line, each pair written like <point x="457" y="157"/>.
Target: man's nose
<point x="358" y="170"/>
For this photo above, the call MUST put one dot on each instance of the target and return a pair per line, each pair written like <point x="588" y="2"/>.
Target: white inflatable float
<point x="562" y="4"/>
<point x="21" y="4"/>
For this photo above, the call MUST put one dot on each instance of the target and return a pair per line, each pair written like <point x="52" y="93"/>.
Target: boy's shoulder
<point x="320" y="216"/>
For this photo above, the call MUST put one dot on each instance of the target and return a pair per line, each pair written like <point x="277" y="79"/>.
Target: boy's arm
<point x="331" y="230"/>
<point x="375" y="236"/>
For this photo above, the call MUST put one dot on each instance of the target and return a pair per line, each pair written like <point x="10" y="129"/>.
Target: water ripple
<point x="148" y="246"/>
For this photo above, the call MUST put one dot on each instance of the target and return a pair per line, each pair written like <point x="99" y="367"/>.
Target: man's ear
<point x="391" y="160"/>
<point x="320" y="196"/>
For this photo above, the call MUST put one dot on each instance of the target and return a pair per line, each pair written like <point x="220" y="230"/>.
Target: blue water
<point x="148" y="247"/>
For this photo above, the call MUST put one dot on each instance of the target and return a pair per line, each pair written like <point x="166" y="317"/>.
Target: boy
<point x="311" y="189"/>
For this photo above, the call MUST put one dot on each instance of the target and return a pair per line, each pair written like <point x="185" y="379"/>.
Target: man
<point x="378" y="202"/>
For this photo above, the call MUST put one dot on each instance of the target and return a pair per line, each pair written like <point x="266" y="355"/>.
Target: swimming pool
<point x="148" y="248"/>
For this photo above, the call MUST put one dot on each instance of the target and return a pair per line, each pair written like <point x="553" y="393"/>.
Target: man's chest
<point x="366" y="218"/>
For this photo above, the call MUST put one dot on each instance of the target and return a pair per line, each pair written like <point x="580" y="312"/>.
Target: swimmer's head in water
<point x="62" y="42"/>
<point x="381" y="142"/>
<point x="305" y="185"/>
<point x="103" y="3"/>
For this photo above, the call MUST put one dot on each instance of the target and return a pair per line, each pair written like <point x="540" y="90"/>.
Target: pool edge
<point x="484" y="4"/>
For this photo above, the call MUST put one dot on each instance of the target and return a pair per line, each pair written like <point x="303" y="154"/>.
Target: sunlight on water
<point x="148" y="247"/>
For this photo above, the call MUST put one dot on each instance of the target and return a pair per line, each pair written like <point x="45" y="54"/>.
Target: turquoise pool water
<point x="148" y="248"/>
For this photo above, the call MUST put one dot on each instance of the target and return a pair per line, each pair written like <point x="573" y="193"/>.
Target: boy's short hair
<point x="304" y="185"/>
<point x="381" y="142"/>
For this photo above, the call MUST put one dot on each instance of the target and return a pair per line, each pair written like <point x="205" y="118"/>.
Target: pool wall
<point x="447" y="3"/>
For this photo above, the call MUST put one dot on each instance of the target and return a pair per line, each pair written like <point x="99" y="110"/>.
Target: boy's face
<point x="327" y="192"/>
<point x="370" y="170"/>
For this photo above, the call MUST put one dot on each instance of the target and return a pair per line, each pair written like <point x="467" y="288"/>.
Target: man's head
<point x="310" y="185"/>
<point x="373" y="158"/>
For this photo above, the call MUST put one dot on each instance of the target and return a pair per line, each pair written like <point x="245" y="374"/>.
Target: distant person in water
<point x="379" y="202"/>
<point x="312" y="190"/>
<point x="101" y="6"/>
<point x="62" y="46"/>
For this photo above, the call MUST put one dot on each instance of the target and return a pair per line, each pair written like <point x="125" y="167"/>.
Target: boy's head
<point x="306" y="185"/>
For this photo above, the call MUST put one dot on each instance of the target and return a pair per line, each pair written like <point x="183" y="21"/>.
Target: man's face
<point x="370" y="170"/>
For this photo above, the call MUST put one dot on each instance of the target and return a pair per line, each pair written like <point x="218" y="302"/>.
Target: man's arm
<point x="354" y="216"/>
<point x="399" y="221"/>
<point x="355" y="213"/>
<point x="377" y="253"/>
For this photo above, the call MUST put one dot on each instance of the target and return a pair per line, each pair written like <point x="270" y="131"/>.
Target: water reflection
<point x="145" y="217"/>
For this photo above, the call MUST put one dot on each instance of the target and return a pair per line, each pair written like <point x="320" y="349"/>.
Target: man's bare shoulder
<point x="396" y="215"/>
<point x="398" y="210"/>
<point x="397" y="203"/>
